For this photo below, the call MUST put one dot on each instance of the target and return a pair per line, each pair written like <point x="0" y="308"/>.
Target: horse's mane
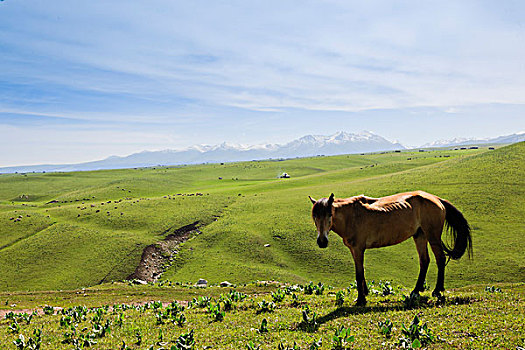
<point x="372" y="204"/>
<point x="361" y="199"/>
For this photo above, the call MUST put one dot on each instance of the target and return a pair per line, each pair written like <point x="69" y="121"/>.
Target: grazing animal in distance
<point x="365" y="222"/>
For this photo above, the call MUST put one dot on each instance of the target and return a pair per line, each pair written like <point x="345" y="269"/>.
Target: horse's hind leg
<point x="424" y="260"/>
<point x="437" y="248"/>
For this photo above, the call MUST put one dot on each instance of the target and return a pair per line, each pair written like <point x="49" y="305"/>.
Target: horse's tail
<point x="459" y="230"/>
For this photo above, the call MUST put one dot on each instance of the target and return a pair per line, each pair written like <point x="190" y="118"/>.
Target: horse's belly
<point x="389" y="237"/>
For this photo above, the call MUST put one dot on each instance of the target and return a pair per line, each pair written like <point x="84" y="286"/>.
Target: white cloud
<point x="193" y="66"/>
<point x="352" y="56"/>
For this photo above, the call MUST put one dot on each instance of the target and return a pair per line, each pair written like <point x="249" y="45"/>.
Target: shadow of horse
<point x="422" y="303"/>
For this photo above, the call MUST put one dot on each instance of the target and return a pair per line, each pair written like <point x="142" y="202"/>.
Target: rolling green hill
<point x="68" y="230"/>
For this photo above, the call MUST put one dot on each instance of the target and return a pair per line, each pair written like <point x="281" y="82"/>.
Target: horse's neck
<point x="342" y="219"/>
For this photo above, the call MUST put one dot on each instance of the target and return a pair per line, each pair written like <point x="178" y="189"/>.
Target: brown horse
<point x="364" y="222"/>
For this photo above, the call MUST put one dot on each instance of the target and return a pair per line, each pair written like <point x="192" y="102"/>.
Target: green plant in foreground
<point x="99" y="330"/>
<point x="20" y="317"/>
<point x="124" y="346"/>
<point x="160" y="317"/>
<point x="200" y="302"/>
<point x="340" y="298"/>
<point x="79" y="340"/>
<point x="216" y="313"/>
<point x="278" y="295"/>
<point x="65" y="321"/>
<point x="172" y="313"/>
<point x="352" y="286"/>
<point x="386" y="288"/>
<point x="251" y="346"/>
<point x="295" y="300"/>
<point x="342" y="338"/>
<point x="281" y="346"/>
<point x="138" y="335"/>
<point x="160" y="338"/>
<point x="180" y="319"/>
<point x="48" y="310"/>
<point x="411" y="301"/>
<point x="33" y="343"/>
<point x="264" y="326"/>
<point x="227" y="302"/>
<point x="309" y="319"/>
<point x="119" y="321"/>
<point x="236" y="296"/>
<point x="386" y="327"/>
<point x="27" y="317"/>
<point x="316" y="344"/>
<point x="14" y="327"/>
<point x="77" y="313"/>
<point x="265" y="306"/>
<point x="415" y="335"/>
<point x="309" y="288"/>
<point x="185" y="342"/>
<point x="319" y="289"/>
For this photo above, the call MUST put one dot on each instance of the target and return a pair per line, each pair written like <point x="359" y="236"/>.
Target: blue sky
<point x="83" y="80"/>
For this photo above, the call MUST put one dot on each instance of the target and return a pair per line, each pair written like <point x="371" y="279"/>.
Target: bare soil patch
<point x="158" y="256"/>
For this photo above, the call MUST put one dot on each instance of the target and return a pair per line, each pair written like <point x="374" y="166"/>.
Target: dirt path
<point x="158" y="256"/>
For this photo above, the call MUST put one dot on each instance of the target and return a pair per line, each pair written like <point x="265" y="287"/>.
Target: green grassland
<point x="82" y="228"/>
<point x="116" y="317"/>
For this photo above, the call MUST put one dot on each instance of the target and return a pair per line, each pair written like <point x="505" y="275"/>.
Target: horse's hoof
<point x="414" y="294"/>
<point x="440" y="297"/>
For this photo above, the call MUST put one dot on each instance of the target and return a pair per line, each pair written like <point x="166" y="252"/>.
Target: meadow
<point x="66" y="239"/>
<point x="264" y="315"/>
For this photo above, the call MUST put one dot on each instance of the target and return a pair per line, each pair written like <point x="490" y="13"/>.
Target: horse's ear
<point x="331" y="199"/>
<point x="312" y="200"/>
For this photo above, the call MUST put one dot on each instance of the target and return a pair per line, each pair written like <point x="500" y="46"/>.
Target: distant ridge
<point x="310" y="145"/>
<point x="514" y="138"/>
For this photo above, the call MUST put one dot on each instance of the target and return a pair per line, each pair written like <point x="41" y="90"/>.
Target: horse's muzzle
<point x="322" y="242"/>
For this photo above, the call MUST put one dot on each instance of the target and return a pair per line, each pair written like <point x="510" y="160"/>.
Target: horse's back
<point x="399" y="217"/>
<point x="408" y="199"/>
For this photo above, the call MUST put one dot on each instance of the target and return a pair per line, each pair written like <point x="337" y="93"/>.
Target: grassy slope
<point x="66" y="250"/>
<point x="82" y="251"/>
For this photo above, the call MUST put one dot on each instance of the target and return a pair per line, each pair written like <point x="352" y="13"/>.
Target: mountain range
<point x="310" y="145"/>
<point x="518" y="137"/>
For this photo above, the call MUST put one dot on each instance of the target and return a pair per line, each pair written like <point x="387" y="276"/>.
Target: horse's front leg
<point x="362" y="289"/>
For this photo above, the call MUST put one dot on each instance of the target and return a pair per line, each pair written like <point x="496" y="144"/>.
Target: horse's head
<point x="322" y="215"/>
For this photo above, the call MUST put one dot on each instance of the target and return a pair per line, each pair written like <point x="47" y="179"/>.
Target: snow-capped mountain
<point x="310" y="145"/>
<point x="447" y="143"/>
<point x="518" y="137"/>
<point x="338" y="143"/>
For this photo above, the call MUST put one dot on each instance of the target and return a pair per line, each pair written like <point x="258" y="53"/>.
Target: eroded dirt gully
<point x="158" y="256"/>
